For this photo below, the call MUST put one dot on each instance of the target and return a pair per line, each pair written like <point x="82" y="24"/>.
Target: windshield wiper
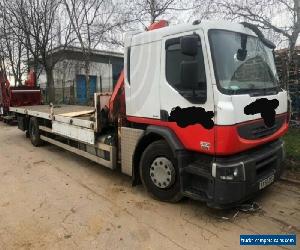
<point x="264" y="91"/>
<point x="271" y="91"/>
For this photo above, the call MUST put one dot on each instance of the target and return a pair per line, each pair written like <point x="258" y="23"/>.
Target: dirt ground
<point x="52" y="199"/>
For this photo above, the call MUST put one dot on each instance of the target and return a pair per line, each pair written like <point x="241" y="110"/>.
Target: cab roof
<point x="138" y="37"/>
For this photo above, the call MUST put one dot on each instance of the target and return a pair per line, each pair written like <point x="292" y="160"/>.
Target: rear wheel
<point x="34" y="132"/>
<point x="159" y="172"/>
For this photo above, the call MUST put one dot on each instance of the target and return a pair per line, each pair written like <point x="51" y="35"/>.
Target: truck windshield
<point x="243" y="64"/>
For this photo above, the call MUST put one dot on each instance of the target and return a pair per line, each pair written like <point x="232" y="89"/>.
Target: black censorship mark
<point x="190" y="116"/>
<point x="265" y="107"/>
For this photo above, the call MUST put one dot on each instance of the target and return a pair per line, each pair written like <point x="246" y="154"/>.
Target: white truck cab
<point x="152" y="72"/>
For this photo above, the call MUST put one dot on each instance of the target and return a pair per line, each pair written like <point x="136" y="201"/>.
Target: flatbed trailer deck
<point x="71" y="127"/>
<point x="44" y="111"/>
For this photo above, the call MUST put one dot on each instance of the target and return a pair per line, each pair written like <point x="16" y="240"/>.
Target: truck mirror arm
<point x="260" y="35"/>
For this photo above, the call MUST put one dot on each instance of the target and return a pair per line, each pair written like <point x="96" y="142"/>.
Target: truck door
<point x="174" y="94"/>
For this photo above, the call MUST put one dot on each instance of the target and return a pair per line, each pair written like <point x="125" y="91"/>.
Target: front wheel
<point x="159" y="172"/>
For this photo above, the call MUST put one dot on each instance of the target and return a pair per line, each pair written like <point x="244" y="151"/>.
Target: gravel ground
<point x="52" y="199"/>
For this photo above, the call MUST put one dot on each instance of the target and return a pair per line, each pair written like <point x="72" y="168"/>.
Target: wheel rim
<point x="162" y="172"/>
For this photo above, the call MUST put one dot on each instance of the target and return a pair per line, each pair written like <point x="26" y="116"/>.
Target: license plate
<point x="266" y="182"/>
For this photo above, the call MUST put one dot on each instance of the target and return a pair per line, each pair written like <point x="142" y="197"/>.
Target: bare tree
<point x="2" y="62"/>
<point x="279" y="16"/>
<point x="2" y="46"/>
<point x="12" y="49"/>
<point x="91" y="21"/>
<point x="34" y="23"/>
<point x="150" y="11"/>
<point x="154" y="8"/>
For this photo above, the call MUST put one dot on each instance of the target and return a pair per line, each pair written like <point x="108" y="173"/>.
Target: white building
<point x="69" y="74"/>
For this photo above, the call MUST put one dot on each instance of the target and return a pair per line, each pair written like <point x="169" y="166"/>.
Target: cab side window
<point x="174" y="58"/>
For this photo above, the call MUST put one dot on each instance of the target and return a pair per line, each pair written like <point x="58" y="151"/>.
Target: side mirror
<point x="241" y="54"/>
<point x="189" y="74"/>
<point x="189" y="45"/>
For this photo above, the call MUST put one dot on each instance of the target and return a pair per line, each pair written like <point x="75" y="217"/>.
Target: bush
<point x="292" y="145"/>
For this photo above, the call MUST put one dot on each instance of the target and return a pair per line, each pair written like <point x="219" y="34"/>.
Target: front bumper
<point x="198" y="179"/>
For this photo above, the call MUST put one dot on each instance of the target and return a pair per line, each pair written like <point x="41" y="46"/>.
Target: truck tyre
<point x="34" y="132"/>
<point x="159" y="172"/>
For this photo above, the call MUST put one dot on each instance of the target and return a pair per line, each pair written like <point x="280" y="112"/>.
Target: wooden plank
<point x="78" y="113"/>
<point x="44" y="111"/>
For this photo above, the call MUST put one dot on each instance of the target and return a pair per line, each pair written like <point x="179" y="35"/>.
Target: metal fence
<point x="62" y="95"/>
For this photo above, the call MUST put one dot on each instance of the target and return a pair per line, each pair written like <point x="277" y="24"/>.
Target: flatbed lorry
<point x="197" y="112"/>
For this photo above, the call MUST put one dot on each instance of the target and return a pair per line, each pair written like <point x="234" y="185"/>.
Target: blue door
<point x="81" y="88"/>
<point x="93" y="82"/>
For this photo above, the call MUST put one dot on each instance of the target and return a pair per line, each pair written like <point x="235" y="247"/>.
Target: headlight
<point x="229" y="173"/>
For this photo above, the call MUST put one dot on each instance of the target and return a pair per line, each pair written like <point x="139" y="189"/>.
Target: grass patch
<point x="292" y="145"/>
